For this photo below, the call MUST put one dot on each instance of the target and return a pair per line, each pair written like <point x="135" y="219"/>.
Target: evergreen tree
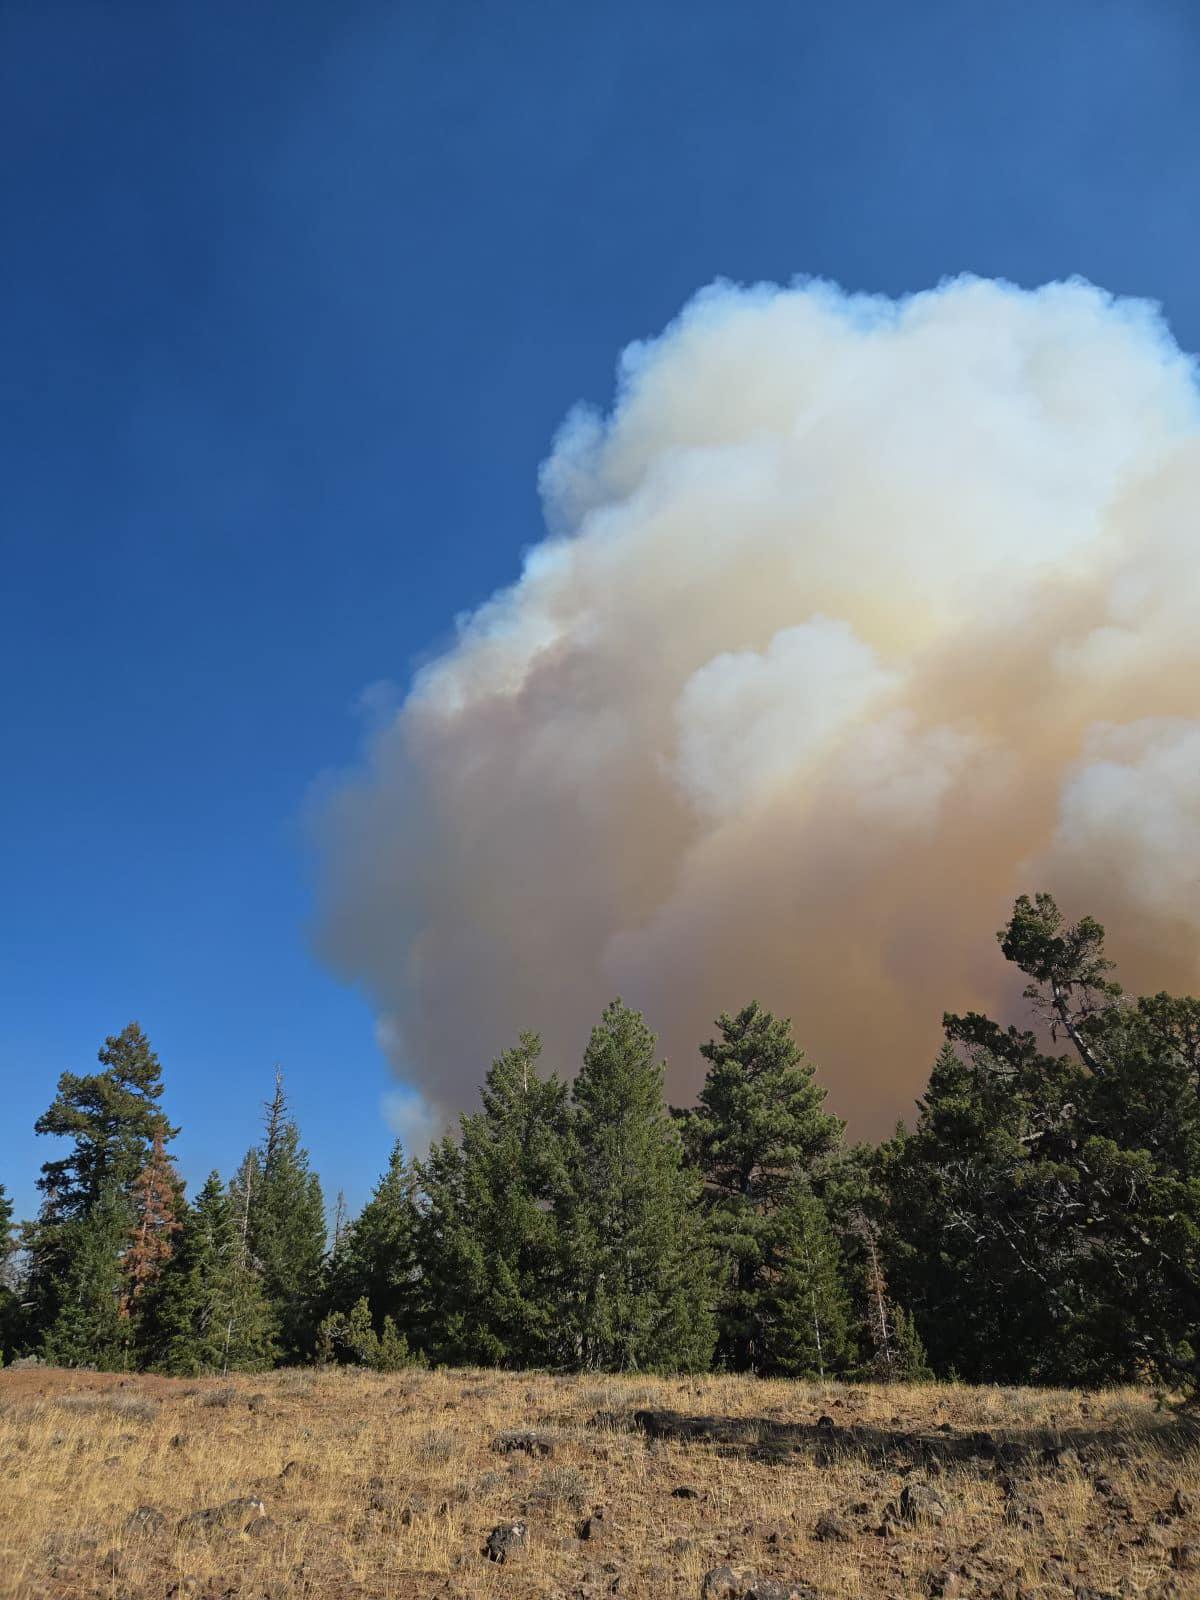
<point x="112" y="1118"/>
<point x="990" y="1279"/>
<point x="157" y="1203"/>
<point x="350" y="1339"/>
<point x="90" y="1328"/>
<point x="374" y="1257"/>
<point x="489" y="1238"/>
<point x="637" y="1276"/>
<point x="761" y="1139"/>
<point x="207" y="1310"/>
<point x="283" y="1212"/>
<point x="897" y="1353"/>
<point x="1133" y="1209"/>
<point x="10" y="1304"/>
<point x="803" y="1317"/>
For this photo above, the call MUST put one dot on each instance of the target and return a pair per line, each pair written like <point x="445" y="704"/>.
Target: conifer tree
<point x="489" y="1236"/>
<point x="111" y="1118"/>
<point x="283" y="1212"/>
<point x="804" y="1314"/>
<point x="760" y="1138"/>
<point x="10" y="1305"/>
<point x="208" y="1311"/>
<point x="637" y="1285"/>
<point x="90" y="1328"/>
<point x="375" y="1258"/>
<point x="157" y="1202"/>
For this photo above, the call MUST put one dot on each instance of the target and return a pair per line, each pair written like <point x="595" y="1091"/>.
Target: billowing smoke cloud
<point x="853" y="619"/>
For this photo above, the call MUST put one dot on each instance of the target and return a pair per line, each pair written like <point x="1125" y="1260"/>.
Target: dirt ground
<point x="337" y="1484"/>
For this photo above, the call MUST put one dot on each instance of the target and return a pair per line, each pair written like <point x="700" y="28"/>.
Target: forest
<point x="1039" y="1223"/>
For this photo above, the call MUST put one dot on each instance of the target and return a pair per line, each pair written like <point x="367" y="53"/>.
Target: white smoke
<point x="854" y="619"/>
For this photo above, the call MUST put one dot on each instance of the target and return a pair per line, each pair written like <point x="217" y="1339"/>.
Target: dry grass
<point x="388" y="1487"/>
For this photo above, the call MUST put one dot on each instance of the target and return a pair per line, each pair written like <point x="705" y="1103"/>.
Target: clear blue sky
<point x="294" y="296"/>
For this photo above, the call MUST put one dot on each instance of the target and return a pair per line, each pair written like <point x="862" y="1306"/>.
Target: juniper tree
<point x="760" y="1138"/>
<point x="488" y="1240"/>
<point x="637" y="1286"/>
<point x="208" y="1311"/>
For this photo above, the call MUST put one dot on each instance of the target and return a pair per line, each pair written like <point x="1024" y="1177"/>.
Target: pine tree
<point x="112" y="1118"/>
<point x="284" y="1218"/>
<point x="208" y="1311"/>
<point x="759" y="1137"/>
<point x="489" y="1238"/>
<point x="374" y="1259"/>
<point x="637" y="1277"/>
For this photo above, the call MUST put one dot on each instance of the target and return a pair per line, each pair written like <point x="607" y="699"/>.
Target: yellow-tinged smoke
<point x="854" y="619"/>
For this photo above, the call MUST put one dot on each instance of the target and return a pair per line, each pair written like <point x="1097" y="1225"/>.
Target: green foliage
<point x="489" y="1240"/>
<point x="283" y="1210"/>
<point x="349" y="1339"/>
<point x="760" y="1137"/>
<point x="637" y="1287"/>
<point x="1040" y="1222"/>
<point x="376" y="1257"/>
<point x="209" y="1313"/>
<point x="112" y="1119"/>
<point x="89" y="1328"/>
<point x="11" y="1319"/>
<point x="803" y="1315"/>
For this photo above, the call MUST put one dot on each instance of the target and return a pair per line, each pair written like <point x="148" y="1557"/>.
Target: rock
<point x="721" y="1583"/>
<point x="920" y="1503"/>
<point x="526" y="1441"/>
<point x="260" y="1526"/>
<point x="145" y="1520"/>
<point x="1186" y="1557"/>
<point x="774" y="1589"/>
<point x="1183" y="1503"/>
<point x="505" y="1540"/>
<point x="1025" y="1515"/>
<point x="596" y="1525"/>
<point x="831" y="1529"/>
<point x="233" y="1515"/>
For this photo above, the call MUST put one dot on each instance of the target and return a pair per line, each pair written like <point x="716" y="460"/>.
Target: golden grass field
<point x="389" y="1486"/>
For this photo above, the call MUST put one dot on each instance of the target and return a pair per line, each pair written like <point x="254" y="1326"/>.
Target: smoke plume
<point x="853" y="618"/>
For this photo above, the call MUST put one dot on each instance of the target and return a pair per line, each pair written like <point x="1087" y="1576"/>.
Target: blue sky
<point x="294" y="298"/>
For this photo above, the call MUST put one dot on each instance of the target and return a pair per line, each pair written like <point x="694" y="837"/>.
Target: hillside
<point x="390" y="1486"/>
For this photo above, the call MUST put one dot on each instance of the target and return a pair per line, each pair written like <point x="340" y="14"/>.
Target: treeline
<point x="1040" y="1223"/>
